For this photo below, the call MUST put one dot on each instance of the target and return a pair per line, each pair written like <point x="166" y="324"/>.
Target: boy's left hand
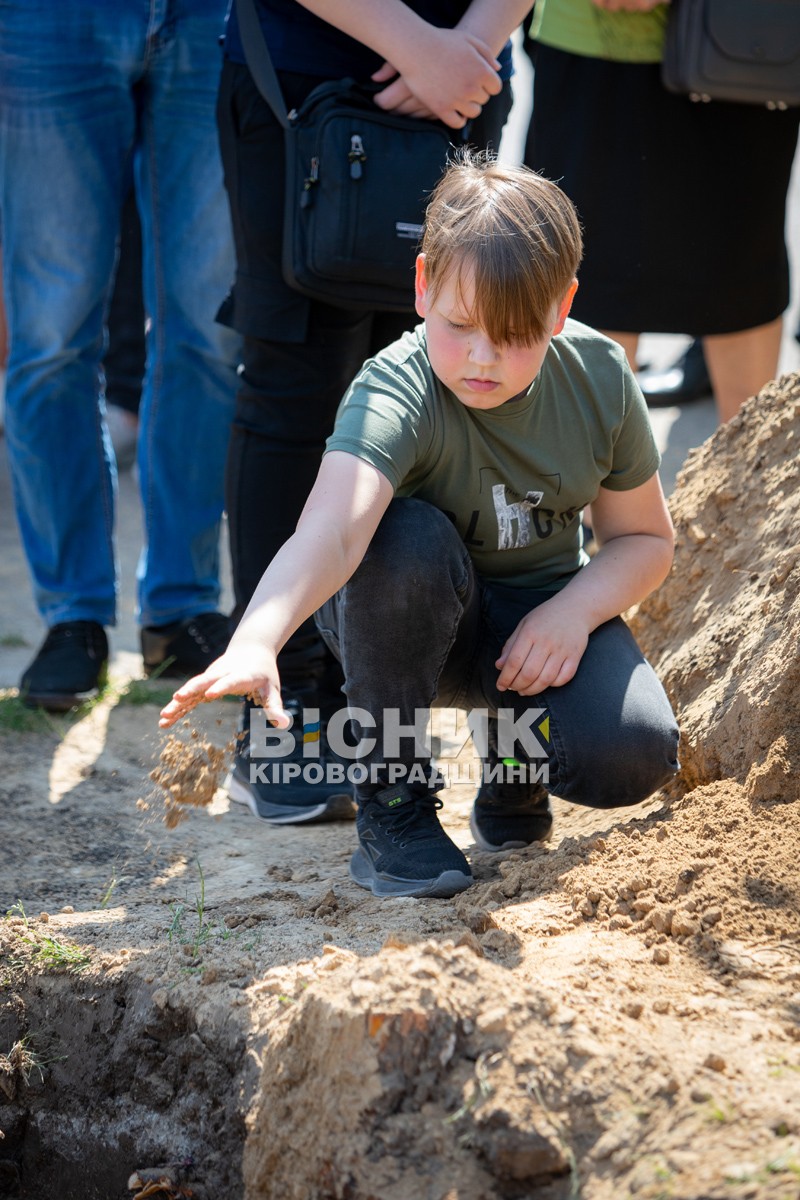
<point x="544" y="650"/>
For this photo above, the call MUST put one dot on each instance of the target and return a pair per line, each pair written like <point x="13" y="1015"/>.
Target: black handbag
<point x="357" y="184"/>
<point x="742" y="50"/>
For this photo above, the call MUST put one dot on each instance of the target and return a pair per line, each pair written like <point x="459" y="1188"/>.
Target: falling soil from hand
<point x="188" y="773"/>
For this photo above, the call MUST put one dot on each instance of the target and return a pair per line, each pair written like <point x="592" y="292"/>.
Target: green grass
<point x="720" y="1114"/>
<point x="152" y="690"/>
<point x="50" y="951"/>
<point x="16" y="718"/>
<point x="109" y="892"/>
<point x="146" y="691"/>
<point x="204" y="930"/>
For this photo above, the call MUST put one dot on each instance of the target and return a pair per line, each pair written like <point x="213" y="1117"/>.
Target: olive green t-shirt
<point x="513" y="479"/>
<point x="580" y="27"/>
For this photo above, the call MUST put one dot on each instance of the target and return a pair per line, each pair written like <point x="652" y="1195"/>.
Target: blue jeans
<point x="87" y="86"/>
<point x="415" y="627"/>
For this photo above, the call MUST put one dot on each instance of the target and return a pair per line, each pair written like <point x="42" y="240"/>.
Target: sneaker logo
<point x="372" y="851"/>
<point x="393" y="803"/>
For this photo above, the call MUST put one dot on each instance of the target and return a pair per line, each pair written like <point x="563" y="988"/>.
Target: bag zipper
<point x="308" y="183"/>
<point x="356" y="156"/>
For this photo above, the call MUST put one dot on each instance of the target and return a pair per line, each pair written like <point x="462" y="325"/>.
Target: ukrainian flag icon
<point x="311" y="735"/>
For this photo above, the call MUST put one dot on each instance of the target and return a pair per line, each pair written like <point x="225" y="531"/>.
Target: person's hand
<point x="450" y="77"/>
<point x="243" y="670"/>
<point x="544" y="650"/>
<point x="401" y="98"/>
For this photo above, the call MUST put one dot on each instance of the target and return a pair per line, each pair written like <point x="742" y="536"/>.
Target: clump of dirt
<point x="188" y="773"/>
<point x="407" y="1056"/>
<point x="723" y="631"/>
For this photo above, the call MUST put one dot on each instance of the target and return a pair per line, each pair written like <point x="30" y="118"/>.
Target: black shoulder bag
<point x="357" y="184"/>
<point x="742" y="50"/>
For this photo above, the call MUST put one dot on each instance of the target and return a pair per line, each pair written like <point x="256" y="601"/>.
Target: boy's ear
<point x="564" y="307"/>
<point x="420" y="287"/>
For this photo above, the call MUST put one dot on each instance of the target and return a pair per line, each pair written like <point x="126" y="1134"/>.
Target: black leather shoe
<point x="185" y="647"/>
<point x="69" y="667"/>
<point x="686" y="380"/>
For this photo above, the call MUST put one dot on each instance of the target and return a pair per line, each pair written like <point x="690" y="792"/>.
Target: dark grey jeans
<point x="415" y="628"/>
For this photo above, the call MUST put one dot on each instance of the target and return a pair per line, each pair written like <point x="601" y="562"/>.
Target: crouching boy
<point x="441" y="546"/>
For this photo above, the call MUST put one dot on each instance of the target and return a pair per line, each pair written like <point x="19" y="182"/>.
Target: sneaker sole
<point x="58" y="702"/>
<point x="449" y="883"/>
<point x="339" y="807"/>
<point x="514" y="844"/>
<point x="61" y="702"/>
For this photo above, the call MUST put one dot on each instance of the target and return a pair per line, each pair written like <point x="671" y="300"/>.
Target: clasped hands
<point x="450" y="78"/>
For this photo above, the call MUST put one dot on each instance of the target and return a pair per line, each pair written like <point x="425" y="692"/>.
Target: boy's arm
<point x="336" y="526"/>
<point x="634" y="532"/>
<point x="445" y="73"/>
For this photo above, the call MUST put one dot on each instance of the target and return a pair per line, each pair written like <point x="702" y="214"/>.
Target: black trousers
<point x="299" y="355"/>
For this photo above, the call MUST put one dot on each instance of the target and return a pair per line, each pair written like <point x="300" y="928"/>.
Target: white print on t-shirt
<point x="514" y="519"/>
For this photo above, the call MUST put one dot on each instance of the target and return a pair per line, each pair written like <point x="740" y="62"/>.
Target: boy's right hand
<point x="243" y="670"/>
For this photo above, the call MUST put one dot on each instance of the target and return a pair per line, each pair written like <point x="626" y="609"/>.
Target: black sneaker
<point x="185" y="647"/>
<point x="259" y="783"/>
<point x="509" y="815"/>
<point x="69" y="669"/>
<point x="403" y="850"/>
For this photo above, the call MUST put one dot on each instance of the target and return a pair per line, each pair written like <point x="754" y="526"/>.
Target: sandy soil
<point x="616" y="1014"/>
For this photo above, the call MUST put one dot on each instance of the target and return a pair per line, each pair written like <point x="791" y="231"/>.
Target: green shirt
<point x="580" y="27"/>
<point x="513" y="479"/>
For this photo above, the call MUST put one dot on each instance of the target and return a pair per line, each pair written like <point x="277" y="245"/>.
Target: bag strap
<point x="256" y="53"/>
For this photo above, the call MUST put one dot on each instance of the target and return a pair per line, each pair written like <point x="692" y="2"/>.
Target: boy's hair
<point x="518" y="232"/>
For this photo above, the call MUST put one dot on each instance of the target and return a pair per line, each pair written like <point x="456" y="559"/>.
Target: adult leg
<point x="189" y="386"/>
<point x="741" y="363"/>
<point x="298" y="358"/>
<point x="123" y="362"/>
<point x="66" y="124"/>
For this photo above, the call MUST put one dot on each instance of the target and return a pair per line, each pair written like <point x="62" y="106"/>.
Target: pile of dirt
<point x="407" y="1056"/>
<point x="434" y="1072"/>
<point x="723" y="631"/>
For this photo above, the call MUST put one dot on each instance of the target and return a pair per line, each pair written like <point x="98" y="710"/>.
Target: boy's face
<point x="480" y="374"/>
